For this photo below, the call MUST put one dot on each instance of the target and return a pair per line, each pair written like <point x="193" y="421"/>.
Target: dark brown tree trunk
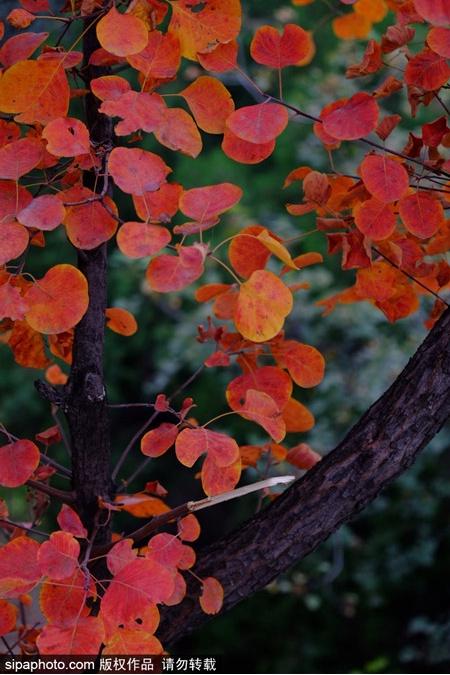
<point x="380" y="447"/>
<point x="86" y="403"/>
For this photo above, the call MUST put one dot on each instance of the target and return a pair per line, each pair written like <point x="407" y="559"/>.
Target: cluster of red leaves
<point x="388" y="222"/>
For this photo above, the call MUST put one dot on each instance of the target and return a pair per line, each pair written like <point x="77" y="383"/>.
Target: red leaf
<point x="66" y="137"/>
<point x="191" y="443"/>
<point x="375" y="219"/>
<point x="211" y="599"/>
<point x="20" y="47"/>
<point x="217" y="479"/>
<point x="70" y="521"/>
<point x="19" y="570"/>
<point x="270" y="380"/>
<point x="18" y="461"/>
<point x="12" y="305"/>
<point x="436" y="12"/>
<point x="8" y="617"/>
<point x="422" y="214"/>
<point x="137" y="171"/>
<point x="20" y="157"/>
<point x="260" y="123"/>
<point x="221" y="59"/>
<point x="122" y="34"/>
<point x="90" y="224"/>
<point x="303" y="457"/>
<point x="120" y="555"/>
<point x="63" y="601"/>
<point x="132" y="641"/>
<point x="14" y="240"/>
<point x="385" y="179"/>
<point x="206" y="203"/>
<point x="167" y="273"/>
<point x="243" y="151"/>
<point x="58" y="557"/>
<point x="427" y="70"/>
<point x="139" y="110"/>
<point x="438" y="39"/>
<point x="352" y="118"/>
<point x="44" y="213"/>
<point x="137" y="584"/>
<point x="178" y="131"/>
<point x="83" y="637"/>
<point x="290" y="48"/>
<point x="110" y="87"/>
<point x="157" y="441"/>
<point x="160" y="59"/>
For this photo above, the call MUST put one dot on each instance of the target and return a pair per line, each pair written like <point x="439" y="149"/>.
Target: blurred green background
<point x="375" y="597"/>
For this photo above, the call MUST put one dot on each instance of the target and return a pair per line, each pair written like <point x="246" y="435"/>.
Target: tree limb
<point x="380" y="447"/>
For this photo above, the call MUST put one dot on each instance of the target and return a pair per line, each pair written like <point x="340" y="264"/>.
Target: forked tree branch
<point x="380" y="447"/>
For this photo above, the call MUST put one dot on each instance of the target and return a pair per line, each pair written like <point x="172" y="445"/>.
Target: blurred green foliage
<point x="375" y="597"/>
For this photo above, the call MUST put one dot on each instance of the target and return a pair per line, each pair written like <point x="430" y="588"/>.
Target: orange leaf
<point x="271" y="49"/>
<point x="276" y="248"/>
<point x="83" y="637"/>
<point x="138" y="240"/>
<point x="263" y="304"/>
<point x="58" y="301"/>
<point x="122" y="34"/>
<point x="375" y="219"/>
<point x="121" y="321"/>
<point x="384" y="178"/>
<point x="191" y="443"/>
<point x="210" y="103"/>
<point x="38" y="90"/>
<point x="217" y="479"/>
<point x="18" y="461"/>
<point x="44" y="213"/>
<point x="260" y="123"/>
<point x="66" y="137"/>
<point x="58" y="557"/>
<point x="137" y="584"/>
<point x="202" y="25"/>
<point x="159" y="206"/>
<point x="374" y="10"/>
<point x="160" y="59"/>
<point x="351" y="118"/>
<point x="297" y="417"/>
<point x="14" y="240"/>
<point x="28" y="346"/>
<point x="69" y="521"/>
<point x="206" y="203"/>
<point x="269" y="380"/>
<point x="243" y="151"/>
<point x="157" y="441"/>
<point x="132" y="641"/>
<point x="20" y="18"/>
<point x="305" y="363"/>
<point x="262" y="409"/>
<point x="178" y="131"/>
<point x="167" y="273"/>
<point x="422" y="214"/>
<point x="211" y="599"/>
<point x="20" y="157"/>
<point x="137" y="171"/>
<point x="8" y="617"/>
<point x="141" y="505"/>
<point x="352" y="26"/>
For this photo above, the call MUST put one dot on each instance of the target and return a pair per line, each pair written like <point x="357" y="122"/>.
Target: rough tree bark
<point x="381" y="446"/>
<point x="86" y="404"/>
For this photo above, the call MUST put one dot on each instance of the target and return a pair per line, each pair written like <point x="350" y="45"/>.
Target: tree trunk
<point x="380" y="447"/>
<point x="86" y="404"/>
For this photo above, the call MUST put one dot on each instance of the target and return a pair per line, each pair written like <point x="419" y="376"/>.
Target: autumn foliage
<point x="385" y="220"/>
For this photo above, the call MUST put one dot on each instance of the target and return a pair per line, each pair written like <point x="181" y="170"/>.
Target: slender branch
<point x="65" y="497"/>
